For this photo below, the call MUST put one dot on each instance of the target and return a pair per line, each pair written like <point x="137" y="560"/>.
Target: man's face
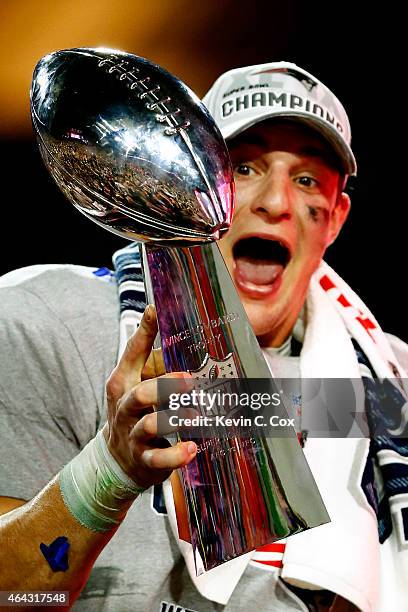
<point x="289" y="208"/>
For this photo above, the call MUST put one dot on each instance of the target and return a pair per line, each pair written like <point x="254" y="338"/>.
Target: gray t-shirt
<point x="59" y="340"/>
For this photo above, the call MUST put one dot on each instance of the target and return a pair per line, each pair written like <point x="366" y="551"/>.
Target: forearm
<point x="89" y="499"/>
<point x="42" y="520"/>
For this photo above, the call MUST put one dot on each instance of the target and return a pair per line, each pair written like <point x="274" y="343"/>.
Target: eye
<point x="307" y="181"/>
<point x="243" y="169"/>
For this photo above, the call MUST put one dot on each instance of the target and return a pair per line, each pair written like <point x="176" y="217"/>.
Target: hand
<point x="131" y="430"/>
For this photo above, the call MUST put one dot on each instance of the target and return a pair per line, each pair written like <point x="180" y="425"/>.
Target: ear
<point x="338" y="217"/>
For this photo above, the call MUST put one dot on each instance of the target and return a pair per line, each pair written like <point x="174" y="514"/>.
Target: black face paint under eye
<point x="313" y="213"/>
<point x="317" y="214"/>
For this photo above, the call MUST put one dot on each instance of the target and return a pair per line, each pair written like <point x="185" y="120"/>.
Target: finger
<point x="169" y="458"/>
<point x="148" y="426"/>
<point x="146" y="394"/>
<point x="163" y="423"/>
<point x="139" y="346"/>
<point x="134" y="403"/>
<point x="145" y="429"/>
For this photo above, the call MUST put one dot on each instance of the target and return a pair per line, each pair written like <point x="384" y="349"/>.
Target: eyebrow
<point x="256" y="140"/>
<point x="327" y="155"/>
<point x="253" y="139"/>
<point x="314" y="152"/>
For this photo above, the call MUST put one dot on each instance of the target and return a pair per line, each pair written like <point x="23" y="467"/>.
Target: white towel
<point x="342" y="556"/>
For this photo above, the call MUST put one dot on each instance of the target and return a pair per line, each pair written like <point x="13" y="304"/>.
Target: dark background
<point x="355" y="49"/>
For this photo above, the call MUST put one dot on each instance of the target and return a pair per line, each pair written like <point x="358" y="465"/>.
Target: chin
<point x="260" y="315"/>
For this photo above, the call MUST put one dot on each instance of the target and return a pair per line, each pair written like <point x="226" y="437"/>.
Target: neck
<point x="277" y="336"/>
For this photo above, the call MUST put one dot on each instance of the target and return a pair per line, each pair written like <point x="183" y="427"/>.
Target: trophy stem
<point x="199" y="314"/>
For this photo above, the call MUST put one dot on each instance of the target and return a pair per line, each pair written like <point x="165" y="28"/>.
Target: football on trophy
<point x="132" y="147"/>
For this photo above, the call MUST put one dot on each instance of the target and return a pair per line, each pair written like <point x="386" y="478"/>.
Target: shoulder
<point x="51" y="275"/>
<point x="56" y="290"/>
<point x="53" y="310"/>
<point x="59" y="336"/>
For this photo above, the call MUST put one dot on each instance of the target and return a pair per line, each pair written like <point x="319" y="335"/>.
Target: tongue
<point x="257" y="271"/>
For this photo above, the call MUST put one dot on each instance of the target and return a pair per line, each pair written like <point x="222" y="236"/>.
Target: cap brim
<point x="339" y="145"/>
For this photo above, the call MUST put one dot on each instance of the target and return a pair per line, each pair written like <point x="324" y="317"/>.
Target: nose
<point x="272" y="199"/>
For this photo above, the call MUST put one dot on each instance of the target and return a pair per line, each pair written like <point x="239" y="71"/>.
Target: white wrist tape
<point x="95" y="489"/>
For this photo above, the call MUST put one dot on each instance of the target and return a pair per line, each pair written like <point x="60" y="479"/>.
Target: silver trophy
<point x="137" y="152"/>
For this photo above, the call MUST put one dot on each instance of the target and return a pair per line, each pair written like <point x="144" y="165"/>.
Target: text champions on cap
<point x="284" y="100"/>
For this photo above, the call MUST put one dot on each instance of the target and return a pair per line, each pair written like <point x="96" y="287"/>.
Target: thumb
<point x="139" y="347"/>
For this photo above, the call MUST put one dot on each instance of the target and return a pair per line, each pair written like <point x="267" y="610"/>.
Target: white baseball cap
<point x="244" y="96"/>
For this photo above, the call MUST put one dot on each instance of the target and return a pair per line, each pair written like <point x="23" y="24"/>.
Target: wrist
<point x="95" y="488"/>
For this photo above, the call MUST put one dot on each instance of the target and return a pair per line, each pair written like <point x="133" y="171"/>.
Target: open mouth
<point x="259" y="264"/>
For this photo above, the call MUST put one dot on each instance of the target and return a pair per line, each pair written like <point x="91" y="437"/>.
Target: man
<point x="289" y="140"/>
